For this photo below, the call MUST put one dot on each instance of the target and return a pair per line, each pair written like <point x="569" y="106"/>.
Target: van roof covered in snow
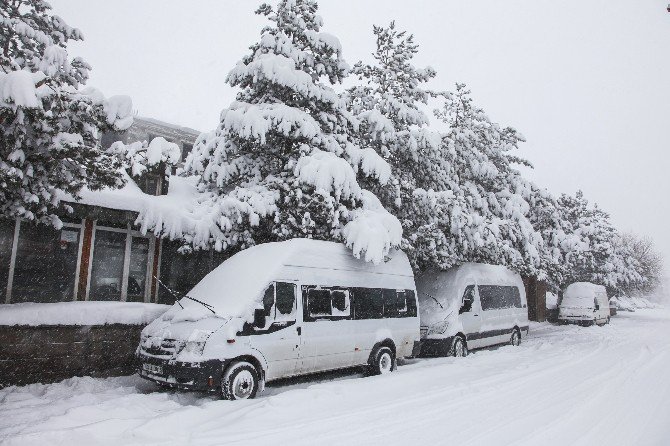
<point x="235" y="286"/>
<point x="583" y="290"/>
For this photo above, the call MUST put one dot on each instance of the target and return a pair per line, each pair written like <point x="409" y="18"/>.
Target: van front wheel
<point x="458" y="347"/>
<point x="383" y="362"/>
<point x="240" y="382"/>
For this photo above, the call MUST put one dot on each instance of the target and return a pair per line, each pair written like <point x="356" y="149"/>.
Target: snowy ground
<point x="562" y="386"/>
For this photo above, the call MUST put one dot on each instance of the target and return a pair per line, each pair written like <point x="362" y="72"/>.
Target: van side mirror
<point x="597" y="307"/>
<point x="259" y="318"/>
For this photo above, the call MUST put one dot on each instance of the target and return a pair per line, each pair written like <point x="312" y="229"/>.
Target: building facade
<point x="98" y="254"/>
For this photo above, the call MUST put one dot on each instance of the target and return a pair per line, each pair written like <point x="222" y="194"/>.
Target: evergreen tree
<point x="480" y="155"/>
<point x="602" y="258"/>
<point x="50" y="131"/>
<point x="282" y="163"/>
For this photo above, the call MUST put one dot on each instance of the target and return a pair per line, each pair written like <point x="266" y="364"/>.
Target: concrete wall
<point x="53" y="353"/>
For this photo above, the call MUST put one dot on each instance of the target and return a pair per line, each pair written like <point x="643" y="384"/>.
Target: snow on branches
<point x="50" y="130"/>
<point x="284" y="160"/>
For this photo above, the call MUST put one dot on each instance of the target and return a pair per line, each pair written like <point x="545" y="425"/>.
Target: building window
<point x="46" y="263"/>
<point x="185" y="150"/>
<point x="120" y="257"/>
<point x="137" y="271"/>
<point x="107" y="268"/>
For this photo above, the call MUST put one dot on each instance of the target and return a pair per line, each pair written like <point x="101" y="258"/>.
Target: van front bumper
<point x="199" y="376"/>
<point x="436" y="347"/>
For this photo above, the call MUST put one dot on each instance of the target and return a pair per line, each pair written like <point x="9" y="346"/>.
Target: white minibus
<point x="584" y="303"/>
<point x="283" y="309"/>
<point x="470" y="306"/>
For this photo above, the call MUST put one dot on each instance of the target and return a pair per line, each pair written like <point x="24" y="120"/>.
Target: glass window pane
<point x="318" y="303"/>
<point x="107" y="268"/>
<point x="368" y="303"/>
<point x="6" y="240"/>
<point x="46" y="262"/>
<point x="137" y="271"/>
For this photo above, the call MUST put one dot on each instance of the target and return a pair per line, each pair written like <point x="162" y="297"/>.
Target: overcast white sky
<point x="587" y="82"/>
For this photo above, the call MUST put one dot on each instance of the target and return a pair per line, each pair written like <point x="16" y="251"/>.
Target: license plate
<point x="156" y="369"/>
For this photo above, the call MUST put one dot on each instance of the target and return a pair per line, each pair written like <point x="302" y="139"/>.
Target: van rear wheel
<point x="515" y="340"/>
<point x="383" y="362"/>
<point x="458" y="347"/>
<point x="240" y="381"/>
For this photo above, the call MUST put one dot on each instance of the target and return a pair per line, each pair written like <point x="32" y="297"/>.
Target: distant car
<point x="584" y="303"/>
<point x="621" y="304"/>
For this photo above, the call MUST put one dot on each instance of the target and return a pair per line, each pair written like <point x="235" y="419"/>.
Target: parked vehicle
<point x="584" y="303"/>
<point x="470" y="306"/>
<point x="284" y="309"/>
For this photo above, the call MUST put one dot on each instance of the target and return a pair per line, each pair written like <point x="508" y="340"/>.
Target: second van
<point x="470" y="306"/>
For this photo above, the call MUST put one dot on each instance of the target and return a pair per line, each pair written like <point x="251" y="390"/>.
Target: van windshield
<point x="579" y="301"/>
<point x="236" y="287"/>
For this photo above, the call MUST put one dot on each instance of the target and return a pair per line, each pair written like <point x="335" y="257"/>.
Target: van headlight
<point x="438" y="328"/>
<point x="195" y="347"/>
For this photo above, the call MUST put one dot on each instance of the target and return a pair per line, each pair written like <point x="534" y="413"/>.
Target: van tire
<point x="240" y="381"/>
<point x="383" y="361"/>
<point x="459" y="348"/>
<point x="515" y="339"/>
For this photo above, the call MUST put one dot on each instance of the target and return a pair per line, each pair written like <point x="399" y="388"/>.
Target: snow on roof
<point x="80" y="313"/>
<point x="235" y="287"/>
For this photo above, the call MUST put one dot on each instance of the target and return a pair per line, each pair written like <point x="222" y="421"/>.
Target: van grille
<point x="167" y="347"/>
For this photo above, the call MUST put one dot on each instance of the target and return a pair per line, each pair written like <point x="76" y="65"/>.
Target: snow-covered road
<point x="563" y="386"/>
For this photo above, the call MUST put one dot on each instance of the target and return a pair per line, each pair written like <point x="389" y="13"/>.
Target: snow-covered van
<point x="470" y="306"/>
<point x="283" y="309"/>
<point x="584" y="303"/>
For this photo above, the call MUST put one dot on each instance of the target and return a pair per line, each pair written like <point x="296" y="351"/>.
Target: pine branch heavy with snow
<point x="282" y="163"/>
<point x="50" y="129"/>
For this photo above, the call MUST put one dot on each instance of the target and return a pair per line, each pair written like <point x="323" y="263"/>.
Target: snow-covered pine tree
<point x="603" y="259"/>
<point x="388" y="102"/>
<point x="49" y="131"/>
<point x="281" y="162"/>
<point x="480" y="154"/>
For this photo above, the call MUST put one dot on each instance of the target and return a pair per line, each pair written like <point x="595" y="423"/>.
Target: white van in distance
<point x="584" y="303"/>
<point x="470" y="306"/>
<point x="283" y="309"/>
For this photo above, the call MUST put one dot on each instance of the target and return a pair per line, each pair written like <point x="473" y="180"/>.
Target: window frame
<point x="307" y="317"/>
<point x="14" y="251"/>
<point x="130" y="233"/>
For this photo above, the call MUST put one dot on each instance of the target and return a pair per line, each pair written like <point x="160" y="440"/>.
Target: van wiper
<point x="436" y="301"/>
<point x="177" y="298"/>
<point x="204" y="304"/>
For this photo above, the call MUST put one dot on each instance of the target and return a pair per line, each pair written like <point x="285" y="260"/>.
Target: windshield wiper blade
<point x="174" y="294"/>
<point x="204" y="304"/>
<point x="436" y="301"/>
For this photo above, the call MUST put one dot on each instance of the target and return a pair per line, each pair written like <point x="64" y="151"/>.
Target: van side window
<point x="318" y="303"/>
<point x="285" y="298"/>
<point x="410" y="298"/>
<point x="468" y="299"/>
<point x="395" y="304"/>
<point x="269" y="300"/>
<point x="341" y="302"/>
<point x="495" y="297"/>
<point x="368" y="303"/>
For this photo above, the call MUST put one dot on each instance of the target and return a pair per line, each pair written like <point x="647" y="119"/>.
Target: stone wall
<point x="50" y="353"/>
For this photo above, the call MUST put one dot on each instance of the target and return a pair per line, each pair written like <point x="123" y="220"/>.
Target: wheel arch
<point x="388" y="342"/>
